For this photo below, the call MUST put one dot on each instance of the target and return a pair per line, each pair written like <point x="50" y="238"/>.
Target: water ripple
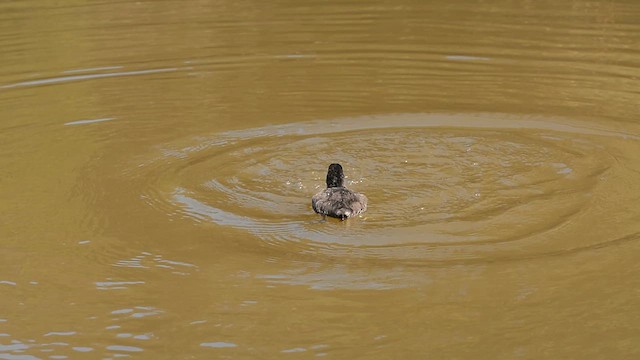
<point x="442" y="187"/>
<point x="70" y="78"/>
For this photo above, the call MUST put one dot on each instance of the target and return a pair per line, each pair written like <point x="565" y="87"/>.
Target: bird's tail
<point x="343" y="213"/>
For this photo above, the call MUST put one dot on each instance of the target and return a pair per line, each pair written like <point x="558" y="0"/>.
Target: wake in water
<point x="446" y="187"/>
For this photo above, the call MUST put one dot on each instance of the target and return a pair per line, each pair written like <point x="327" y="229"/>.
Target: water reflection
<point x="218" y="344"/>
<point x="70" y="78"/>
<point x="116" y="285"/>
<point x="148" y="260"/>
<point x="91" y="121"/>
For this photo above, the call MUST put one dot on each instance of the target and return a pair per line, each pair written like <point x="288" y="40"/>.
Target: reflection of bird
<point x="336" y="200"/>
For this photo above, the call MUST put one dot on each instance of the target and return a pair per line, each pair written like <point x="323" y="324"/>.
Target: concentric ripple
<point x="441" y="187"/>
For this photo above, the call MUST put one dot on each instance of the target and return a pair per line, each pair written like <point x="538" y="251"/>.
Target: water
<point x="158" y="160"/>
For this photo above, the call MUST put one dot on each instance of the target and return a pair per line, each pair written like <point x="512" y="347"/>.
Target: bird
<point x="336" y="200"/>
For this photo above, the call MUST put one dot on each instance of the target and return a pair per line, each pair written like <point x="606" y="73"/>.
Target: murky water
<point x="158" y="160"/>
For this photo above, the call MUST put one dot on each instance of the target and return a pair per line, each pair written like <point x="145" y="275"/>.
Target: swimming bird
<point x="336" y="200"/>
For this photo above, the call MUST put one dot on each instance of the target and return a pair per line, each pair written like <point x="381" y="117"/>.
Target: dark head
<point x="335" y="176"/>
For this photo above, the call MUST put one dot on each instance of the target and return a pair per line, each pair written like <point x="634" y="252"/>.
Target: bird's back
<point x="339" y="202"/>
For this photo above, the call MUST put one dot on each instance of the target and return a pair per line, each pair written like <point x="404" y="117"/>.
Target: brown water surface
<point x="158" y="160"/>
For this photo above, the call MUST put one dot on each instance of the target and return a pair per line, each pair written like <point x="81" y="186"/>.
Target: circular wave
<point x="440" y="187"/>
